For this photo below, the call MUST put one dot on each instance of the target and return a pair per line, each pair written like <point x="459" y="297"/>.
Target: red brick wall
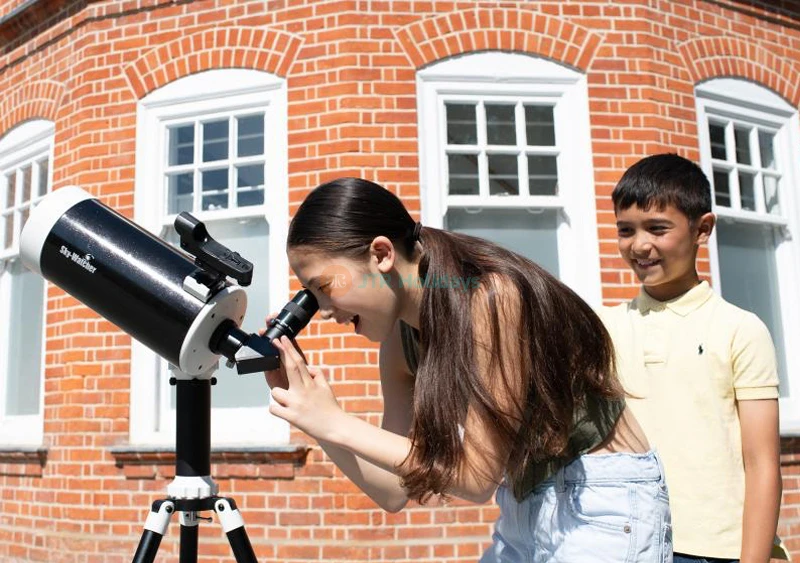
<point x="350" y="67"/>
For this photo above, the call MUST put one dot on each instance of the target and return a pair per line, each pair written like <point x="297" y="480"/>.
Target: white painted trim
<point x="746" y="102"/>
<point x="29" y="141"/>
<point x="515" y="77"/>
<point x="200" y="96"/>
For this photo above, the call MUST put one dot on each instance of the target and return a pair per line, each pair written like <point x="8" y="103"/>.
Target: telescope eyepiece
<point x="293" y="317"/>
<point x="251" y="352"/>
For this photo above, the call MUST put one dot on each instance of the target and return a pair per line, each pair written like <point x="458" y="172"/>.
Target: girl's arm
<point x="381" y="484"/>
<point x="309" y="404"/>
<point x="762" y="477"/>
<point x="397" y="386"/>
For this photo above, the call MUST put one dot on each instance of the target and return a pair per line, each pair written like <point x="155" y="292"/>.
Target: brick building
<point x="510" y="120"/>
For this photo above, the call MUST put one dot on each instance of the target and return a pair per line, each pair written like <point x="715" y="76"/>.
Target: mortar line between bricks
<point x="262" y="541"/>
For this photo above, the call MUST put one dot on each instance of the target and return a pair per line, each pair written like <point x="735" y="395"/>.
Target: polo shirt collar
<point x="682" y="305"/>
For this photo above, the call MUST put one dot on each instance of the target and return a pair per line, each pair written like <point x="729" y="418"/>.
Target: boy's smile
<point x="660" y="246"/>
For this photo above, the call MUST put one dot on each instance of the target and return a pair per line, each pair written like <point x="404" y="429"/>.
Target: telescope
<point x="186" y="310"/>
<point x="187" y="306"/>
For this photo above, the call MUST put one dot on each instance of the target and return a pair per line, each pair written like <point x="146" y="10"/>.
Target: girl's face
<point x="358" y="292"/>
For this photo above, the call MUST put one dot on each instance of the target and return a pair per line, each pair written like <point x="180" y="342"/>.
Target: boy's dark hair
<point x="662" y="180"/>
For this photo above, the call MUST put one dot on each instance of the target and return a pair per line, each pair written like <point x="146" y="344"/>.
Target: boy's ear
<point x="705" y="226"/>
<point x="383" y="253"/>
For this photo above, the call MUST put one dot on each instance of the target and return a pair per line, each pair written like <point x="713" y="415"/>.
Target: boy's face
<point x="661" y="246"/>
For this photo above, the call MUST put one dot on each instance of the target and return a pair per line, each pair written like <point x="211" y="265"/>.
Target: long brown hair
<point x="566" y="352"/>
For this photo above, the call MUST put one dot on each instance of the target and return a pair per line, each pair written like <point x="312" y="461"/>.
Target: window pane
<point x="214" y="184"/>
<point x="542" y="175"/>
<point x="747" y="191"/>
<point x="23" y="381"/>
<point x="742" y="136"/>
<point x="503" y="174"/>
<point x="27" y="174"/>
<point x="181" y="145"/>
<point x="462" y="128"/>
<point x="500" y="125"/>
<point x="717" y="134"/>
<point x="250" y="238"/>
<point x="540" y="125"/>
<point x="180" y="193"/>
<point x="462" y="174"/>
<point x="722" y="191"/>
<point x="749" y="277"/>
<point x="8" y="228"/>
<point x="771" y="200"/>
<point x="7" y="222"/>
<point x="532" y="235"/>
<point x="11" y="191"/>
<point x="250" y="135"/>
<point x="215" y="140"/>
<point x="250" y="185"/>
<point x="44" y="173"/>
<point x="767" y="148"/>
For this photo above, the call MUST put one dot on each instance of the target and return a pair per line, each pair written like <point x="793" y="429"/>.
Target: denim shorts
<point x="601" y="508"/>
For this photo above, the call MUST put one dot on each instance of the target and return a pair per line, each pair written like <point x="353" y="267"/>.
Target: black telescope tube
<point x="126" y="274"/>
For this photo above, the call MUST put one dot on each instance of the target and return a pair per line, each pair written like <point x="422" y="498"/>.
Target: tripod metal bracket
<point x="229" y="516"/>
<point x="159" y="516"/>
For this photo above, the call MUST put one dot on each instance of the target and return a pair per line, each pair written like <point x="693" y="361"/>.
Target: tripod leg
<point x="233" y="524"/>
<point x="189" y="529"/>
<point x="154" y="529"/>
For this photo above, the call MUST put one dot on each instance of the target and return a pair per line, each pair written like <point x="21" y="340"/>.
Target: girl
<point x="496" y="378"/>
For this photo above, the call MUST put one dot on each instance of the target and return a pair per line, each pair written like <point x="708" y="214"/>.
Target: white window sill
<point x="247" y="462"/>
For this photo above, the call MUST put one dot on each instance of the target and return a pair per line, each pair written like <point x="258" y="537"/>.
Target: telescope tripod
<point x="193" y="491"/>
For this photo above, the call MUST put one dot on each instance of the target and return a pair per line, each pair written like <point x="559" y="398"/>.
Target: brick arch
<point x="509" y="29"/>
<point x="719" y="57"/>
<point x="40" y="99"/>
<point x="268" y="50"/>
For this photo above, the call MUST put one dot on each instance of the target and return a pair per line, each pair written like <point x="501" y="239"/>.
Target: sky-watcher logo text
<point x="84" y="262"/>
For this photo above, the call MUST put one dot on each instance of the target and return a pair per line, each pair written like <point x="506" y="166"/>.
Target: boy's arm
<point x="762" y="477"/>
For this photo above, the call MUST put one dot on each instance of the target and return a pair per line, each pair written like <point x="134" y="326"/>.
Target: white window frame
<point x="25" y="145"/>
<point x="748" y="103"/>
<point x="507" y="78"/>
<point x="202" y="96"/>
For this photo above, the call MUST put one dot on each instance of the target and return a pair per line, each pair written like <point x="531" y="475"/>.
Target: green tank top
<point x="592" y="424"/>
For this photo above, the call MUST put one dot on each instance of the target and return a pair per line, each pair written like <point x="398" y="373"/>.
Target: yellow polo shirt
<point x="686" y="362"/>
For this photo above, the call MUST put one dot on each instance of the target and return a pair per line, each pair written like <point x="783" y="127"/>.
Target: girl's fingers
<point x="292" y="349"/>
<point x="263" y="330"/>
<point x="276" y="409"/>
<point x="281" y="396"/>
<point x="290" y="364"/>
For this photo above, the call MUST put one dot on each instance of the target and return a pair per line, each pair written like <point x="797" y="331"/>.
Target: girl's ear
<point x="383" y="254"/>
<point x="705" y="226"/>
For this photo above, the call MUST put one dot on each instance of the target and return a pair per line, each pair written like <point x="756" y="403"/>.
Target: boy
<point x="700" y="372"/>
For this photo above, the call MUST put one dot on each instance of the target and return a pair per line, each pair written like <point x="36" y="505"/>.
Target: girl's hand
<point x="308" y="403"/>
<point x="277" y="378"/>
